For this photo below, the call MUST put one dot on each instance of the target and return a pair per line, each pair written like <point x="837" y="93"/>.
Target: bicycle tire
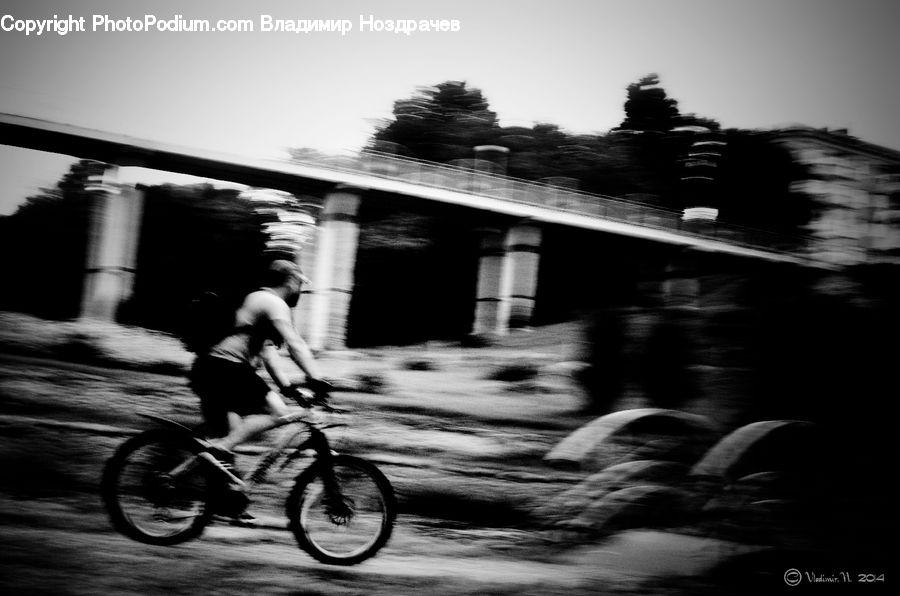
<point x="142" y="504"/>
<point x="337" y="540"/>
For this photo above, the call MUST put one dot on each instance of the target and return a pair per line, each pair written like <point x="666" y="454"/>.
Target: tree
<point x="756" y="184"/>
<point x="648" y="108"/>
<point x="193" y="239"/>
<point x="601" y="164"/>
<point x="647" y="158"/>
<point x="45" y="247"/>
<point x="660" y="143"/>
<point x="695" y="120"/>
<point x="440" y="123"/>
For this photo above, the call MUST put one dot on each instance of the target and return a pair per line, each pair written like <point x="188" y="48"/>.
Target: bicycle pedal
<point x="225" y="456"/>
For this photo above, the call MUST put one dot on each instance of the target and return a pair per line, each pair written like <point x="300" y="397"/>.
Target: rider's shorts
<point x="225" y="386"/>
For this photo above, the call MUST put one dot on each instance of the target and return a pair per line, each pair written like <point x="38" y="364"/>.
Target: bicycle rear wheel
<point x="144" y="502"/>
<point x="351" y="529"/>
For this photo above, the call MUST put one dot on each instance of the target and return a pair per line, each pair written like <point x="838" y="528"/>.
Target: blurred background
<point x="689" y="214"/>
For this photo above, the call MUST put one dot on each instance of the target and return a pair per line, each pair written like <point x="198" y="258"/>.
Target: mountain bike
<point x="164" y="486"/>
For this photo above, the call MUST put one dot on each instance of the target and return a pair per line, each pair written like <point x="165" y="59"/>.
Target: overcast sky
<point x="745" y="63"/>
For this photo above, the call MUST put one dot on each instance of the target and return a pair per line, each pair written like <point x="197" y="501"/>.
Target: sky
<point x="753" y="64"/>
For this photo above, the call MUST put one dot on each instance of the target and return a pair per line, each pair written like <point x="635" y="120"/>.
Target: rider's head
<point x="287" y="277"/>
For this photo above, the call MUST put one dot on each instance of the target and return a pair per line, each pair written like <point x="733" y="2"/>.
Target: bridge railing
<point x="525" y="192"/>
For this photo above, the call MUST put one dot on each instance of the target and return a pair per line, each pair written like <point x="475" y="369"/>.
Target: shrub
<point x="419" y="364"/>
<point x="79" y="347"/>
<point x="372" y="382"/>
<point x="515" y="372"/>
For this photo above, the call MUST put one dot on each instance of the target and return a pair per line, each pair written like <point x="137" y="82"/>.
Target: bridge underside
<point x="519" y="264"/>
<point x="119" y="151"/>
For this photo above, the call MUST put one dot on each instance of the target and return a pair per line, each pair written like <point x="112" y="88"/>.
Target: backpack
<point x="208" y="319"/>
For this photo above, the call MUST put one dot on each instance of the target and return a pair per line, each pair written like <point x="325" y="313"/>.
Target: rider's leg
<point x="276" y="405"/>
<point x="234" y="422"/>
<point x="253" y="425"/>
<point x="242" y="430"/>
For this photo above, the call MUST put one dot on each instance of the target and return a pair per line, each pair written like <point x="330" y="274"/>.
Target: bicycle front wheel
<point x="144" y="501"/>
<point x="346" y="526"/>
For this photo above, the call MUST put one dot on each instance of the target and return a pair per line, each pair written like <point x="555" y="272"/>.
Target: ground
<point x="463" y="451"/>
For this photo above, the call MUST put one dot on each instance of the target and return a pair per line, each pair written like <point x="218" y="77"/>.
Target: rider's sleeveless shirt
<point x="253" y="326"/>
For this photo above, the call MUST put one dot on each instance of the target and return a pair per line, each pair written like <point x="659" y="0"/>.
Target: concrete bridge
<point x="509" y="255"/>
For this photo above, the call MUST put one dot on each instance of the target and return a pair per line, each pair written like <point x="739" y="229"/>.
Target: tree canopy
<point x="440" y="123"/>
<point x="648" y="108"/>
<point x="657" y="155"/>
<point x="45" y="243"/>
<point x="192" y="238"/>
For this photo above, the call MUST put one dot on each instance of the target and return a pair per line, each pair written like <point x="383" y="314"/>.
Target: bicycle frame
<point x="317" y="441"/>
<point x="162" y="500"/>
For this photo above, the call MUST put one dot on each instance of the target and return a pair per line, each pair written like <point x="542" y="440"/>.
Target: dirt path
<point x="58" y="547"/>
<point x="466" y="469"/>
<point x="61" y="548"/>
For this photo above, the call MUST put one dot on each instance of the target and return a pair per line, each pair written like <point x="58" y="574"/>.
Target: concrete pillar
<point x="507" y="279"/>
<point x="334" y="264"/>
<point x="491" y="159"/>
<point x="492" y="255"/>
<point x="306" y="258"/>
<point x="699" y="220"/>
<point x="681" y="285"/>
<point x="520" y="278"/>
<point x="112" y="245"/>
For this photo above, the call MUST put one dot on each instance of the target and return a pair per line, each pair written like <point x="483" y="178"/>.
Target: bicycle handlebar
<point x="320" y="390"/>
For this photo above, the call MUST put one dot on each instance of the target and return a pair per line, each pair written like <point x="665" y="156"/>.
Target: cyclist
<point x="237" y="403"/>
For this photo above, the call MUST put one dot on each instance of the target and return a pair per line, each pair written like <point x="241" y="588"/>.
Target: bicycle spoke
<point x="346" y="525"/>
<point x="152" y="502"/>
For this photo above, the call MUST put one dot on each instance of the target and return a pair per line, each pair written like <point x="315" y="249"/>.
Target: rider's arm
<point x="271" y="360"/>
<point x="297" y="348"/>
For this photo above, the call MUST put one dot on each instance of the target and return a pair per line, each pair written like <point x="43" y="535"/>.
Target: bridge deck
<point x="426" y="180"/>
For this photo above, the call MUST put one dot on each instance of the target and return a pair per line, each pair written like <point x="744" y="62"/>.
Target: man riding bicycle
<point x="237" y="403"/>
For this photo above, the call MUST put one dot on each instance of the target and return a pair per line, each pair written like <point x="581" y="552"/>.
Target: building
<point x="855" y="189"/>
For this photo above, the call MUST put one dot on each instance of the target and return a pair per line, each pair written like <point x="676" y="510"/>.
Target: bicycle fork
<point x="337" y="506"/>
